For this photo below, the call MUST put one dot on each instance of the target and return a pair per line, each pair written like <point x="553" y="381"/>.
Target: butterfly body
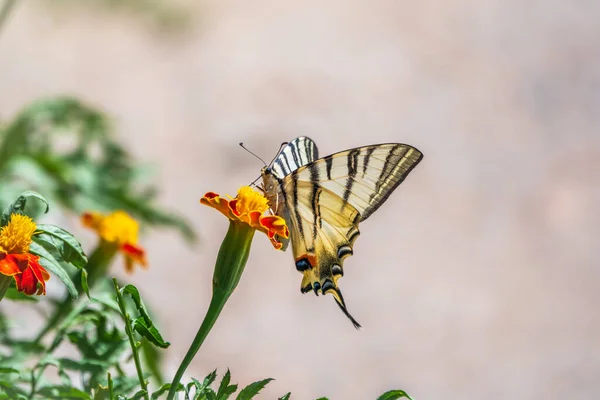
<point x="324" y="199"/>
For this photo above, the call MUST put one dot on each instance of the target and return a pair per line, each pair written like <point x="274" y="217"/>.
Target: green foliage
<point x="394" y="395"/>
<point x="143" y="324"/>
<point x="66" y="150"/>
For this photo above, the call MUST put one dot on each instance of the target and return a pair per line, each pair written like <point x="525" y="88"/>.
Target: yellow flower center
<point x="15" y="237"/>
<point x="250" y="200"/>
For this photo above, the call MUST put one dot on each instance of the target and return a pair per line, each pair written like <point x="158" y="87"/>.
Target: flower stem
<point x="230" y="264"/>
<point x="214" y="310"/>
<point x="136" y="356"/>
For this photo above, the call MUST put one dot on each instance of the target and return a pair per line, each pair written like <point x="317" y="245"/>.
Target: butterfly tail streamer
<point x="339" y="299"/>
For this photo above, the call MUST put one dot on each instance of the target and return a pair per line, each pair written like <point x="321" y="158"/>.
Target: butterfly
<point x="324" y="199"/>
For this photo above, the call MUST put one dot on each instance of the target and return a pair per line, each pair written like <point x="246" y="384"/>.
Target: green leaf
<point x="13" y="294"/>
<point x="143" y="324"/>
<point x="394" y="395"/>
<point x="13" y="392"/>
<point x="322" y="398"/>
<point x="139" y="395"/>
<point x="61" y="244"/>
<point x="84" y="283"/>
<point x="4" y="370"/>
<point x="92" y="366"/>
<point x="19" y="205"/>
<point x="149" y="332"/>
<point x="286" y="396"/>
<point x="252" y="389"/>
<point x="164" y="388"/>
<point x="210" y="378"/>
<point x="202" y="389"/>
<point x="50" y="263"/>
<point x="63" y="392"/>
<point x="226" y="390"/>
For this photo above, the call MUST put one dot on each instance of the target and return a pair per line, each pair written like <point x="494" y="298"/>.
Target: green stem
<point x="214" y="310"/>
<point x="230" y="264"/>
<point x="129" y="331"/>
<point x="5" y="11"/>
<point x="111" y="395"/>
<point x="5" y="282"/>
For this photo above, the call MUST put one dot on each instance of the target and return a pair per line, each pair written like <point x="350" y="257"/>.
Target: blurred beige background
<point x="478" y="278"/>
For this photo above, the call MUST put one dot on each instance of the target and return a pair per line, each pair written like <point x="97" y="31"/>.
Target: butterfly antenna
<point x="244" y="147"/>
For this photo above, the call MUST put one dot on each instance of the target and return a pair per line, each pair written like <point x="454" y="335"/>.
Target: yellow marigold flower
<point x="121" y="229"/>
<point x="15" y="259"/>
<point x="248" y="207"/>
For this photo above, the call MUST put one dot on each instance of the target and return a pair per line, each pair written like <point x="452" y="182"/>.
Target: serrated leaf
<point x="164" y="388"/>
<point x="252" y="389"/>
<point x="67" y="247"/>
<point x="48" y="262"/>
<point x="226" y="390"/>
<point x="143" y="324"/>
<point x="202" y="389"/>
<point x="394" y="395"/>
<point x="209" y="379"/>
<point x="285" y="396"/>
<point x="19" y="205"/>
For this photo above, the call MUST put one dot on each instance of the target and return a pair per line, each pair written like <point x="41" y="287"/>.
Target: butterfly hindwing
<point x="323" y="200"/>
<point x="323" y="231"/>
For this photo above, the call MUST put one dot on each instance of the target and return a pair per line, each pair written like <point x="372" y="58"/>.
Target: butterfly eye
<point x="303" y="264"/>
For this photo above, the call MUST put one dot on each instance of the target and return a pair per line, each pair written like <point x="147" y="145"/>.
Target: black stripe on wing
<point x="297" y="153"/>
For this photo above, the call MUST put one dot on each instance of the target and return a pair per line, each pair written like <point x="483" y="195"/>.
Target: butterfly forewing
<point x="293" y="155"/>
<point x="365" y="176"/>
<point x="323" y="201"/>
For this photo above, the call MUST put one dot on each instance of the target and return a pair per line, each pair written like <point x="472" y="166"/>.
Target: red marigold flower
<point x="248" y="207"/>
<point x="15" y="259"/>
<point x="119" y="228"/>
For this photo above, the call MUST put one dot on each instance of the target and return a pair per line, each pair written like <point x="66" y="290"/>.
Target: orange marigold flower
<point x="15" y="259"/>
<point x="119" y="228"/>
<point x="248" y="207"/>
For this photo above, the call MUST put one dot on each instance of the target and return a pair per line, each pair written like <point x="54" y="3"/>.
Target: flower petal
<point x="33" y="272"/>
<point x="276" y="224"/>
<point x="133" y="254"/>
<point x="8" y="265"/>
<point x="218" y="203"/>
